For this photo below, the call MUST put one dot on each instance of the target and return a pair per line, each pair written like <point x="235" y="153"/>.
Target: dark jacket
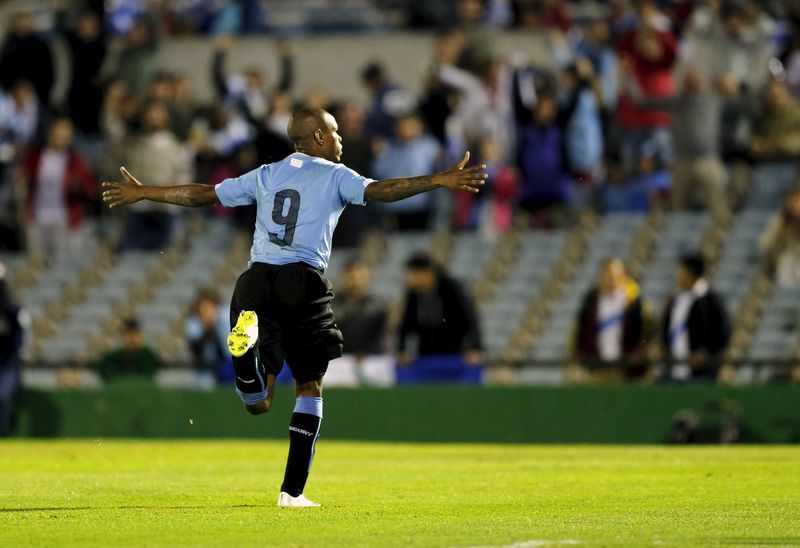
<point x="632" y="325"/>
<point x="444" y="320"/>
<point x="708" y="325"/>
<point x="362" y="322"/>
<point x="27" y="58"/>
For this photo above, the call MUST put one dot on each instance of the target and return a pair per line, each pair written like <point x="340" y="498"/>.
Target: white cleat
<point x="285" y="500"/>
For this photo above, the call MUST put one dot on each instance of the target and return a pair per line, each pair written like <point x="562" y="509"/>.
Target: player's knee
<point x="310" y="389"/>
<point x="259" y="408"/>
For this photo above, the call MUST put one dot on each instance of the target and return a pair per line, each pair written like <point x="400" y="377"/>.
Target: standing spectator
<point x="363" y="320"/>
<point x="776" y="134"/>
<point x="160" y="159"/>
<point x="491" y="210"/>
<point x="59" y="184"/>
<point x="12" y="333"/>
<point x="247" y="92"/>
<point x="597" y="48"/>
<point x="544" y="179"/>
<point x="696" y="124"/>
<point x="780" y="242"/>
<point x="410" y="154"/>
<point x="646" y="187"/>
<point x="649" y="52"/>
<point x="610" y="326"/>
<point x="696" y="329"/>
<point x="27" y="115"/>
<point x="439" y="317"/>
<point x="25" y="56"/>
<point x="132" y="359"/>
<point x="731" y="37"/>
<point x="358" y="155"/>
<point x="87" y="47"/>
<point x="388" y="101"/>
<point x="206" y="331"/>
<point x="135" y="60"/>
<point x="581" y="119"/>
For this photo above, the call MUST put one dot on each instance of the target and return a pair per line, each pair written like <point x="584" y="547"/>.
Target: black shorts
<point x="295" y="322"/>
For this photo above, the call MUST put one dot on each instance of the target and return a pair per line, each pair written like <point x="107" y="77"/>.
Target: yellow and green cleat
<point x="244" y="334"/>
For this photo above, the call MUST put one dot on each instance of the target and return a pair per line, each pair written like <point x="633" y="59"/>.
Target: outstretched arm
<point x="455" y="178"/>
<point x="130" y="191"/>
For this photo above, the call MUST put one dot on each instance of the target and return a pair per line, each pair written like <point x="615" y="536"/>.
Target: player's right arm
<point x="130" y="191"/>
<point x="455" y="178"/>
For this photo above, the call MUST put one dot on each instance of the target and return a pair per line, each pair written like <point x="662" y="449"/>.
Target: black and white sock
<point x="303" y="432"/>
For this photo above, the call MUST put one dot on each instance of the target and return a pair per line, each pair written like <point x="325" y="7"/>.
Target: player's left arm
<point x="130" y="191"/>
<point x="455" y="178"/>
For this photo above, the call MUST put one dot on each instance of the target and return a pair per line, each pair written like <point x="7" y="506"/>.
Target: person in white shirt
<point x="696" y="328"/>
<point x="609" y="336"/>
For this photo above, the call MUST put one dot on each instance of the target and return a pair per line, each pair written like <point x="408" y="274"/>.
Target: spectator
<point x="641" y="190"/>
<point x="388" y="101"/>
<point x="780" y="243"/>
<point x="13" y="321"/>
<point x="27" y="115"/>
<point x="648" y="53"/>
<point x="206" y="331"/>
<point x="25" y="56"/>
<point x="597" y="48"/>
<point x="247" y="93"/>
<point x="731" y="37"/>
<point x="776" y="134"/>
<point x="696" y="123"/>
<point x="158" y="158"/>
<point x="132" y="359"/>
<point x="135" y="61"/>
<point x="59" y="185"/>
<point x="736" y="119"/>
<point x="439" y="317"/>
<point x="696" y="328"/>
<point x="182" y="107"/>
<point x="87" y="47"/>
<point x="363" y="320"/>
<point x="483" y="107"/>
<point x="410" y="154"/>
<point x="544" y="179"/>
<point x="580" y="117"/>
<point x="491" y="210"/>
<point x="609" y="337"/>
<point x="357" y="154"/>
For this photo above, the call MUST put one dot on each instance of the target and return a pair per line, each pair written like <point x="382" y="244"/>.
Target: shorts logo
<point x="246" y="382"/>
<point x="294" y="162"/>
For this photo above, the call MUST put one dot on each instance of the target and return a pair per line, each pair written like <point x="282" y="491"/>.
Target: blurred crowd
<point x="650" y="104"/>
<point x="647" y="104"/>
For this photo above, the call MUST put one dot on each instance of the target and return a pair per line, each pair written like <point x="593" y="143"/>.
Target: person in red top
<point x="58" y="183"/>
<point x="649" y="52"/>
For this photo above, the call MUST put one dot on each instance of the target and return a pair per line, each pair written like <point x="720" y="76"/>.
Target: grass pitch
<point x="224" y="493"/>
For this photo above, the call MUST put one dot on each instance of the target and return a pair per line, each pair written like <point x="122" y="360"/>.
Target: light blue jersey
<point x="299" y="200"/>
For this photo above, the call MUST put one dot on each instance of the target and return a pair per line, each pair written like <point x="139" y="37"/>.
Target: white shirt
<point x="610" y="315"/>
<point x="51" y="201"/>
<point x="678" y="329"/>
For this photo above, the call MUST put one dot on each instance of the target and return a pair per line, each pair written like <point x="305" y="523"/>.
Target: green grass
<point x="224" y="493"/>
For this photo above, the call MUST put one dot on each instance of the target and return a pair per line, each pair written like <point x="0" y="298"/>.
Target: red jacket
<point x="654" y="79"/>
<point x="79" y="184"/>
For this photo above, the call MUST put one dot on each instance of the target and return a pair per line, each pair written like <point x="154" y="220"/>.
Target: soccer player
<point x="281" y="306"/>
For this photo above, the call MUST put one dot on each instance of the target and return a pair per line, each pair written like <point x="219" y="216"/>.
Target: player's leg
<point x="257" y="359"/>
<point x="312" y="340"/>
<point x="304" y="430"/>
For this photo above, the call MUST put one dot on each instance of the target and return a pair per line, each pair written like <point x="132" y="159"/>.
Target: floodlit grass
<point x="160" y="493"/>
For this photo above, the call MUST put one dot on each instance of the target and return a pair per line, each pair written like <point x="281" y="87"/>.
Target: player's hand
<point x="128" y="191"/>
<point x="458" y="178"/>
